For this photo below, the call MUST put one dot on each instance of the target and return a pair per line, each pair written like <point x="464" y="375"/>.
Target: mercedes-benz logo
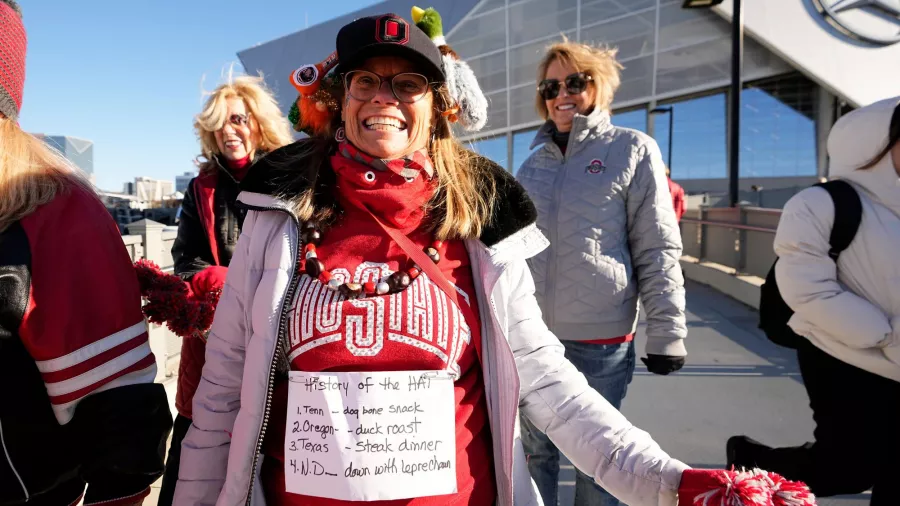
<point x="875" y="21"/>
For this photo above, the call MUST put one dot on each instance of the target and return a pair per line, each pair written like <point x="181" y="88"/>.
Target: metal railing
<point x="740" y="238"/>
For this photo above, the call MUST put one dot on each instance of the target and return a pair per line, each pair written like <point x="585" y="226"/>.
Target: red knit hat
<point x="12" y="58"/>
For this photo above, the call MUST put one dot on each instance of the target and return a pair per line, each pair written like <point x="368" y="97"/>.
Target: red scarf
<point x="239" y="168"/>
<point x="397" y="191"/>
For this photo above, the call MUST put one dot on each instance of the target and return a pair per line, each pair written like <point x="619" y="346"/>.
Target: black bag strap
<point x="847" y="215"/>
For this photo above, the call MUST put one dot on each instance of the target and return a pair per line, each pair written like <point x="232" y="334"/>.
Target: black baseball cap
<point x="387" y="35"/>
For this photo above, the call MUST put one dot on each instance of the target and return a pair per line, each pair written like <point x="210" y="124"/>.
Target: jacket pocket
<point x="610" y="278"/>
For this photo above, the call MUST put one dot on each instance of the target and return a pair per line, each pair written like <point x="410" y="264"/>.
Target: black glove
<point x="662" y="364"/>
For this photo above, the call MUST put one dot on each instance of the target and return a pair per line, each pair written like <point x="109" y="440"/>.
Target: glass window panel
<point x="637" y="80"/>
<point x="759" y="62"/>
<point x="480" y="35"/>
<point x="522" y="147"/>
<point x="539" y="18"/>
<point x="490" y="71"/>
<point x="523" y="60"/>
<point x="778" y="128"/>
<point x="693" y="66"/>
<point x="594" y="11"/>
<point x="682" y="27"/>
<point x="522" y="103"/>
<point x="489" y="5"/>
<point x="632" y="35"/>
<point x="698" y="140"/>
<point x="494" y="148"/>
<point x="496" y="110"/>
<point x="636" y="119"/>
<point x="709" y="63"/>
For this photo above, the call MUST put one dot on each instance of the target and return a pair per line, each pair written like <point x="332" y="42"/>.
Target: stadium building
<point x="806" y="62"/>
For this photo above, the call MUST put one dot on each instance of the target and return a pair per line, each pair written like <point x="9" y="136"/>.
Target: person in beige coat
<point x="849" y="314"/>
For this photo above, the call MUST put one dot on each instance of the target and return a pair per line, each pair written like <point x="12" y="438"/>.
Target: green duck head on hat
<point x="461" y="80"/>
<point x="429" y="21"/>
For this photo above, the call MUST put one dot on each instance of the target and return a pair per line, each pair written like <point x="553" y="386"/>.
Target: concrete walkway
<point x="735" y="382"/>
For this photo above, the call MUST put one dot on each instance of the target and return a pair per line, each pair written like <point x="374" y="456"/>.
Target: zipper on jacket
<point x="11" y="465"/>
<point x="288" y="296"/>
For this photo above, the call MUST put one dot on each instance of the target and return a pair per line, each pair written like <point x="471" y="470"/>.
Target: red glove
<point x="209" y="279"/>
<point x="707" y="487"/>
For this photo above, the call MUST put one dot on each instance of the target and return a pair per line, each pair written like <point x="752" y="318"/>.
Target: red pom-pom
<point x="147" y="272"/>
<point x="369" y="288"/>
<point x="788" y="493"/>
<point x="414" y="273"/>
<point x="170" y="301"/>
<point x="701" y="487"/>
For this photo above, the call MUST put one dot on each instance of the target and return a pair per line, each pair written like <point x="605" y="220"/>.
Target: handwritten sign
<point x="370" y="436"/>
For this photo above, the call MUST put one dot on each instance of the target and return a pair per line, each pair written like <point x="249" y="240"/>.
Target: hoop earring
<point x="340" y="135"/>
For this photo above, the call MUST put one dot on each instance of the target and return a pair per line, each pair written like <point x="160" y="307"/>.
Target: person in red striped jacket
<point x="79" y="408"/>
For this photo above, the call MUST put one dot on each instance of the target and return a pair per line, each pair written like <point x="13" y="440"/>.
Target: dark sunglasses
<point x="574" y="83"/>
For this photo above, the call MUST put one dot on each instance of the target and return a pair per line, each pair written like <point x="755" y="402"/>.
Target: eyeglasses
<point x="407" y="87"/>
<point x="574" y="83"/>
<point x="239" y="120"/>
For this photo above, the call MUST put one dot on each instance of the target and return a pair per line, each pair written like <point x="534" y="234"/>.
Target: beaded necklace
<point x="395" y="283"/>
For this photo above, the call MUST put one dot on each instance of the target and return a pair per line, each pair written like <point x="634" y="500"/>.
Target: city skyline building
<point x="182" y="181"/>
<point x="150" y="189"/>
<point x="78" y="151"/>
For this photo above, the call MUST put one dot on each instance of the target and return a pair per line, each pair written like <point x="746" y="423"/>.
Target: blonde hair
<point x="598" y="62"/>
<point x="463" y="202"/>
<point x="271" y="127"/>
<point x="31" y="173"/>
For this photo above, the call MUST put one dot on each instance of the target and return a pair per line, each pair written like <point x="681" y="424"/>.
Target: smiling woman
<point x="613" y="180"/>
<point x="384" y="249"/>
<point x="239" y="124"/>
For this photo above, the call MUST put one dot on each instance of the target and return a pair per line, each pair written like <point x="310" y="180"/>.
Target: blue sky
<point x="130" y="75"/>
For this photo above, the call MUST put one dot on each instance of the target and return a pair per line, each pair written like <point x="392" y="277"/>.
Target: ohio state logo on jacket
<point x="595" y="167"/>
<point x="420" y="323"/>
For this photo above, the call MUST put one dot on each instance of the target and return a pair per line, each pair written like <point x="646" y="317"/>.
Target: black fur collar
<point x="278" y="175"/>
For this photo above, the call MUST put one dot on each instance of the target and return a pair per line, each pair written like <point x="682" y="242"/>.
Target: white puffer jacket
<point x="851" y="312"/>
<point x="523" y="364"/>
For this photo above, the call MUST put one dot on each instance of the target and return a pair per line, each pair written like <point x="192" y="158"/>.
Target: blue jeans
<point x="608" y="369"/>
